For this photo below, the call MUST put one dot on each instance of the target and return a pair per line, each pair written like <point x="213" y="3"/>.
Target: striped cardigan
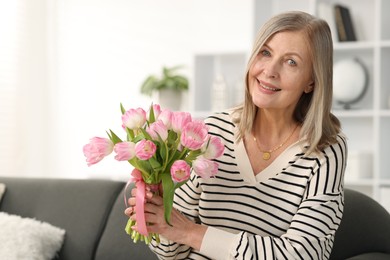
<point x="291" y="210"/>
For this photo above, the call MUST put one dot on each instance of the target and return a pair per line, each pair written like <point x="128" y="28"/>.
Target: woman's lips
<point x="267" y="86"/>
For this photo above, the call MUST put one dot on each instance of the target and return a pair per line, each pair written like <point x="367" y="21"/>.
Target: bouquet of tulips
<point x="162" y="146"/>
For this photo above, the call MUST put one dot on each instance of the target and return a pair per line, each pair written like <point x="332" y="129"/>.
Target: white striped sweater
<point x="291" y="210"/>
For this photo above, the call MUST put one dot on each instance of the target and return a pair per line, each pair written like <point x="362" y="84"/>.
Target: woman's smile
<point x="267" y="87"/>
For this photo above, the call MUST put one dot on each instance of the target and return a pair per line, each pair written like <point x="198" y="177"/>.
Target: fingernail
<point x="149" y="195"/>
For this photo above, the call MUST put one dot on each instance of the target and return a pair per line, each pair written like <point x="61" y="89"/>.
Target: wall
<point x="98" y="53"/>
<point x="23" y="87"/>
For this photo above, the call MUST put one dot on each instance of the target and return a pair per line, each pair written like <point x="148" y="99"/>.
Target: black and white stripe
<point x="292" y="215"/>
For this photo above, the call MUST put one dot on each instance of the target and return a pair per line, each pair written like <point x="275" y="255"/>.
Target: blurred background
<point x="66" y="65"/>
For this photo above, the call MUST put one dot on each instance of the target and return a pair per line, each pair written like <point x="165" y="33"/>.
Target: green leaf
<point x="156" y="165"/>
<point x="146" y="135"/>
<point x="178" y="184"/>
<point x="168" y="80"/>
<point x="168" y="192"/>
<point x="123" y="110"/>
<point x="149" y="85"/>
<point x="138" y="138"/>
<point x="113" y="137"/>
<point x="192" y="155"/>
<point x="151" y="179"/>
<point x="152" y="117"/>
<point x="164" y="152"/>
<point x="172" y="137"/>
<point x="143" y="166"/>
<point x="130" y="134"/>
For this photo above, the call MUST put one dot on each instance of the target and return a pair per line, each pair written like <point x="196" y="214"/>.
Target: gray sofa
<point x="364" y="232"/>
<point x="91" y="212"/>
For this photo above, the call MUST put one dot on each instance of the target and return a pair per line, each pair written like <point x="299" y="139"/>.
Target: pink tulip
<point x="166" y="116"/>
<point x="214" y="149"/>
<point x="180" y="171"/>
<point x="97" y="149"/>
<point x="124" y="151"/>
<point x="194" y="135"/>
<point x="158" y="128"/>
<point x="145" y="149"/>
<point x="156" y="110"/>
<point x="180" y="120"/>
<point x="205" y="168"/>
<point x="134" y="118"/>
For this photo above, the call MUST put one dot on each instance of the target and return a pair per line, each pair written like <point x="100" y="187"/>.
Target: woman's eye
<point x="265" y="53"/>
<point x="291" y="62"/>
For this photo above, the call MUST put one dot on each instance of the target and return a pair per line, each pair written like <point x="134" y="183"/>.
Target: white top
<point x="290" y="210"/>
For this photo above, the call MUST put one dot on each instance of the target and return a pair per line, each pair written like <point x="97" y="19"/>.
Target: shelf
<point x="384" y="113"/>
<point x="201" y="114"/>
<point x="385" y="44"/>
<point x="384" y="183"/>
<point x="353" y="113"/>
<point x="362" y="182"/>
<point x="230" y="67"/>
<point x="358" y="45"/>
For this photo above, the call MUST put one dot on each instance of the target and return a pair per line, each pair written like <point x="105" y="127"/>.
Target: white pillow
<point x="2" y="190"/>
<point x="26" y="238"/>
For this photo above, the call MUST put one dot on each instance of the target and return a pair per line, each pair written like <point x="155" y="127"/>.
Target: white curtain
<point x="23" y="85"/>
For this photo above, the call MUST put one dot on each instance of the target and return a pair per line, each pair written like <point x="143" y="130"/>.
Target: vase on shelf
<point x="170" y="98"/>
<point x="219" y="95"/>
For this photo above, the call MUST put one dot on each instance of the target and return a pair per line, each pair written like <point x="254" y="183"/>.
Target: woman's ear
<point x="309" y="88"/>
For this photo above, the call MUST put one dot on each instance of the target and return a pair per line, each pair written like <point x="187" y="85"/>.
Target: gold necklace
<point x="267" y="154"/>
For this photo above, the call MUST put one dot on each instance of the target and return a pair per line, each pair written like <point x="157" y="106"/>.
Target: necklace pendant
<point x="266" y="155"/>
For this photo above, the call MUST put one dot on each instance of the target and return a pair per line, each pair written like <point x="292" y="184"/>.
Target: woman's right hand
<point x="180" y="228"/>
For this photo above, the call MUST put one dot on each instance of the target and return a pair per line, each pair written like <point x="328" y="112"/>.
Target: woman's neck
<point x="271" y="129"/>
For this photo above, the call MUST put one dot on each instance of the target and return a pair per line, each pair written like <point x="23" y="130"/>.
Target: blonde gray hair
<point x="313" y="110"/>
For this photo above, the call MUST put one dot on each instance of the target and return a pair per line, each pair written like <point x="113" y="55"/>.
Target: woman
<point x="279" y="190"/>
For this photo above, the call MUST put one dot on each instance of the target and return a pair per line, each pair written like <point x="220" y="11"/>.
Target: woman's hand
<point x="182" y="230"/>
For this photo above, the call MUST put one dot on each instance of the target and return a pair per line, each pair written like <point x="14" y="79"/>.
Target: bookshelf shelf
<point x="361" y="182"/>
<point x="358" y="45"/>
<point x="385" y="44"/>
<point x="384" y="182"/>
<point x="367" y="124"/>
<point x="355" y="113"/>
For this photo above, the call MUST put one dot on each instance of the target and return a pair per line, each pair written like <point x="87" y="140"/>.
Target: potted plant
<point x="169" y="87"/>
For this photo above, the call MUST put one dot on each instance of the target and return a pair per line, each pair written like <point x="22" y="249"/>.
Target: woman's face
<point x="281" y="72"/>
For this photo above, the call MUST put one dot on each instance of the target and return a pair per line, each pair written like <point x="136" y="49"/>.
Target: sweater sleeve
<point x="309" y="237"/>
<point x="312" y="229"/>
<point x="186" y="201"/>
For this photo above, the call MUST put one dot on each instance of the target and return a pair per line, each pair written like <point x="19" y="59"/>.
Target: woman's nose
<point x="271" y="69"/>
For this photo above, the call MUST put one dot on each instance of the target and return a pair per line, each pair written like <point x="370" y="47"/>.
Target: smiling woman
<point x="278" y="192"/>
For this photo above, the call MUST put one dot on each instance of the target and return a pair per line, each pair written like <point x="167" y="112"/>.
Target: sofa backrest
<point x="364" y="229"/>
<point x="115" y="243"/>
<point x="81" y="207"/>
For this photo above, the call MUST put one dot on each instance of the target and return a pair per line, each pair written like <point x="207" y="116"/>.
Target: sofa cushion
<point x="372" y="256"/>
<point x="27" y="238"/>
<point x="364" y="228"/>
<point x="115" y="243"/>
<point x="81" y="207"/>
<point x="2" y="190"/>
